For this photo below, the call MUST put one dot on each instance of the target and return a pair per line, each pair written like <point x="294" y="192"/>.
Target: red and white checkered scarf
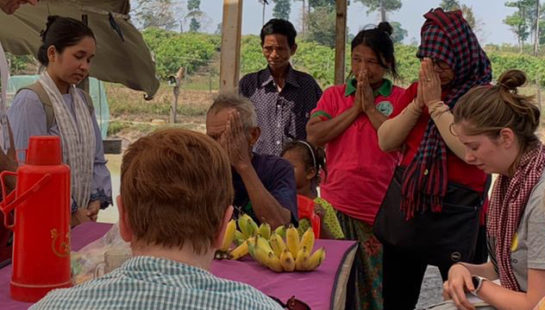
<point x="507" y="204"/>
<point x="446" y="36"/>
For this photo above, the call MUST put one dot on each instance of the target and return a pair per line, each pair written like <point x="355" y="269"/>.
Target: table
<point x="324" y="288"/>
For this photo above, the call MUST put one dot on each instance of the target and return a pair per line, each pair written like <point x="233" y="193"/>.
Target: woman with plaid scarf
<point x="430" y="214"/>
<point x="497" y="127"/>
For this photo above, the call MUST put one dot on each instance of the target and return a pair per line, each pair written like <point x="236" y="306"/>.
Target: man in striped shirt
<point x="174" y="206"/>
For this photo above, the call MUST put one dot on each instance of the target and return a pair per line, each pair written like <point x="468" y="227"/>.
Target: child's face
<point x="301" y="174"/>
<point x="363" y="56"/>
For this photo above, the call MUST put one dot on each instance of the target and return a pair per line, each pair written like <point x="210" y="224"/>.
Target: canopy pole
<point x="230" y="44"/>
<point x="340" y="41"/>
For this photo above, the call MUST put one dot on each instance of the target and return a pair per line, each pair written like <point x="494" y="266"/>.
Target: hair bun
<point x="50" y="20"/>
<point x="512" y="79"/>
<point x="386" y="27"/>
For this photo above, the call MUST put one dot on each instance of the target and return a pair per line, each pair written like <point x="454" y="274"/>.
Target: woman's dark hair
<point x="378" y="39"/>
<point x="313" y="157"/>
<point x="61" y="32"/>
<point x="279" y="26"/>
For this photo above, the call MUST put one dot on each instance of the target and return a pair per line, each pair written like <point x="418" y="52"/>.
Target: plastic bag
<point x="85" y="261"/>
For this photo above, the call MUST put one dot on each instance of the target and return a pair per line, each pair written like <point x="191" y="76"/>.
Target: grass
<point x="123" y="101"/>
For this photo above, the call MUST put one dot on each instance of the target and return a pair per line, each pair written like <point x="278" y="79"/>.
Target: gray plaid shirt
<point x="284" y="114"/>
<point x="156" y="283"/>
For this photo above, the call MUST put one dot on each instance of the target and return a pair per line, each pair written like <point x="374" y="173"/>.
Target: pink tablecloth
<point x="315" y="288"/>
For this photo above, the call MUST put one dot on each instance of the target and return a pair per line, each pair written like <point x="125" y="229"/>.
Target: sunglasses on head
<point x="292" y="303"/>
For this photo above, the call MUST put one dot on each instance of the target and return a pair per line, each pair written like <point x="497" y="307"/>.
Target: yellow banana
<point x="287" y="261"/>
<point x="307" y="240"/>
<point x="264" y="244"/>
<point x="315" y="259"/>
<point x="277" y="244"/>
<point x="239" y="237"/>
<point x="292" y="240"/>
<point x="240" y="250"/>
<point x="261" y="256"/>
<point x="264" y="230"/>
<point x="229" y="235"/>
<point x="251" y="246"/>
<point x="274" y="263"/>
<point x="252" y="226"/>
<point x="243" y="226"/>
<point x="281" y="231"/>
<point x="301" y="259"/>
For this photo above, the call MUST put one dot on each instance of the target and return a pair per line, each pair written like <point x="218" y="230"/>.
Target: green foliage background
<point x="193" y="51"/>
<point x="198" y="51"/>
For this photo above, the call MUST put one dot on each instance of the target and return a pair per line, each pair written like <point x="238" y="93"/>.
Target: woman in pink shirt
<point x="345" y="122"/>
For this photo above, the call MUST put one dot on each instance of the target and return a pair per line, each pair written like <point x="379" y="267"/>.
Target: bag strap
<point x="39" y="90"/>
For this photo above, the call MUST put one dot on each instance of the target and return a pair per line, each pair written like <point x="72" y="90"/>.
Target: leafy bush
<point x="534" y="67"/>
<point x="407" y="64"/>
<point x="251" y="57"/>
<point x="174" y="50"/>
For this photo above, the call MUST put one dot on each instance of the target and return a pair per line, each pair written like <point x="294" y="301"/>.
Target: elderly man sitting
<point x="264" y="184"/>
<point x="174" y="207"/>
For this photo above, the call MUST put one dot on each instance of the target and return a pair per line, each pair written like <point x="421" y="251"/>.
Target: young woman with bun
<point x="497" y="127"/>
<point x="54" y="106"/>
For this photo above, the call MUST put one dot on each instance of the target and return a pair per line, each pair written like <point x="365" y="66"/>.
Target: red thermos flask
<point x="40" y="221"/>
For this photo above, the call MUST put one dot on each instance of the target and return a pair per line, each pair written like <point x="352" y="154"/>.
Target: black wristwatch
<point x="477" y="284"/>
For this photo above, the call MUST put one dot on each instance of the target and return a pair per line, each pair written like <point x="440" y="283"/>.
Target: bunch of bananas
<point x="295" y="254"/>
<point x="269" y="248"/>
<point x="247" y="233"/>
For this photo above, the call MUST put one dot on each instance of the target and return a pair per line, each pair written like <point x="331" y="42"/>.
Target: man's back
<point x="154" y="283"/>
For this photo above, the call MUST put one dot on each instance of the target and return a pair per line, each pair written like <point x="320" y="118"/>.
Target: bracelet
<point x="438" y="108"/>
<point x="477" y="284"/>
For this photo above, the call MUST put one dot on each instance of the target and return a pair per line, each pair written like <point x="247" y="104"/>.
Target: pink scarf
<point x="507" y="204"/>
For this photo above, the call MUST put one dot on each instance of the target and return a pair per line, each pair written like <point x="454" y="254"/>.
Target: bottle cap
<point x="44" y="151"/>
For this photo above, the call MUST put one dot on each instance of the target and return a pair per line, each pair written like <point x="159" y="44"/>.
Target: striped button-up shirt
<point x="156" y="283"/>
<point x="280" y="115"/>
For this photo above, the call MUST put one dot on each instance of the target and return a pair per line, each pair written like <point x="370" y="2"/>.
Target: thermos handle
<point x="6" y="199"/>
<point x="9" y="203"/>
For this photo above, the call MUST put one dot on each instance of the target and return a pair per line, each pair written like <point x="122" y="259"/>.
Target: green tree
<point x="534" y="16"/>
<point x="467" y="12"/>
<point x="282" y="9"/>
<point x="321" y="26"/>
<point x="518" y="21"/>
<point x="314" y="4"/>
<point x="450" y="5"/>
<point x="193" y="7"/>
<point x="382" y="6"/>
<point x="398" y="34"/>
<point x="155" y="13"/>
<point x="194" y="25"/>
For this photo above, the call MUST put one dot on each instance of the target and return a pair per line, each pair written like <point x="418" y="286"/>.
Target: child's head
<point x="496" y="123"/>
<point x="374" y="49"/>
<point x="307" y="162"/>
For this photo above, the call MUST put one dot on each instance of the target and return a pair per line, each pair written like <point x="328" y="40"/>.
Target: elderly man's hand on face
<point x="235" y="141"/>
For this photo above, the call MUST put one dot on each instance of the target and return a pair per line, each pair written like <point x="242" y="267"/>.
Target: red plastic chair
<point x="305" y="208"/>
